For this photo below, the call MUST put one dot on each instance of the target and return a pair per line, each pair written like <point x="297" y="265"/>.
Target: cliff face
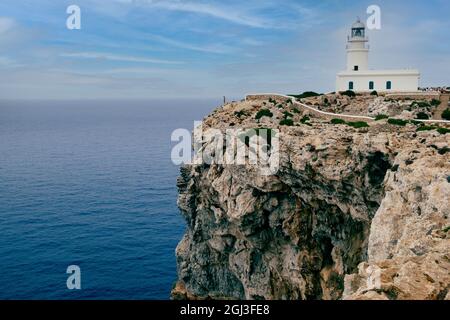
<point x="351" y="214"/>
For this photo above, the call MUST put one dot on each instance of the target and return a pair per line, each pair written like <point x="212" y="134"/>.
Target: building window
<point x="355" y="68"/>
<point x="371" y="85"/>
<point x="350" y="85"/>
<point x="389" y="85"/>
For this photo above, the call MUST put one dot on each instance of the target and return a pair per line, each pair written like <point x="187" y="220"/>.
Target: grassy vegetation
<point x="398" y="122"/>
<point x="288" y="115"/>
<point x="263" y="113"/>
<point x="358" y="124"/>
<point x="426" y="128"/>
<point x="381" y="117"/>
<point x="348" y="93"/>
<point x="443" y="130"/>
<point x="435" y="102"/>
<point x="241" y="114"/>
<point x="287" y="122"/>
<point x="338" y="121"/>
<point x="305" y="120"/>
<point x="306" y="94"/>
<point x="446" y="114"/>
<point x="422" y="116"/>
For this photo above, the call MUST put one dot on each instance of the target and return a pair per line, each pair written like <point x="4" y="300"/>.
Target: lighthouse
<point x="357" y="49"/>
<point x="359" y="77"/>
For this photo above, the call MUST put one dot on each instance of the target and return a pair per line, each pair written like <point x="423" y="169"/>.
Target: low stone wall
<point x="414" y="95"/>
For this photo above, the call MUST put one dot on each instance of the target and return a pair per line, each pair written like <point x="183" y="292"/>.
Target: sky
<point x="143" y="49"/>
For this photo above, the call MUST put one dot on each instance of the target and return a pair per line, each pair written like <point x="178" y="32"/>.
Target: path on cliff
<point x="442" y="107"/>
<point x="336" y="115"/>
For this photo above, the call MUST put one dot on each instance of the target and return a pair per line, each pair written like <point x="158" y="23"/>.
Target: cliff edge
<point x="354" y="212"/>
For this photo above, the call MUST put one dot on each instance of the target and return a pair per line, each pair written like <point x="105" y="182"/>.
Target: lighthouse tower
<point x="358" y="77"/>
<point x="357" y="50"/>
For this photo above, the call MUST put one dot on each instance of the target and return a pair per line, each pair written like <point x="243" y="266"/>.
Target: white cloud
<point x="6" y="24"/>
<point x="114" y="57"/>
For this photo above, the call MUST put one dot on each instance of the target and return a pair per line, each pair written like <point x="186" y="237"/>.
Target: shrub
<point x="397" y="122"/>
<point x="240" y="114"/>
<point x="446" y="114"/>
<point x="348" y="93"/>
<point x="420" y="104"/>
<point x="443" y="130"/>
<point x="306" y="94"/>
<point x="286" y="122"/>
<point x="325" y="101"/>
<point x="280" y="106"/>
<point x="287" y="114"/>
<point x="263" y="113"/>
<point x="374" y="93"/>
<point x="295" y="110"/>
<point x="305" y="119"/>
<point x="273" y="101"/>
<point x="426" y="128"/>
<point x="435" y="102"/>
<point x="422" y="116"/>
<point x="337" y="121"/>
<point x="381" y="117"/>
<point x="358" y="124"/>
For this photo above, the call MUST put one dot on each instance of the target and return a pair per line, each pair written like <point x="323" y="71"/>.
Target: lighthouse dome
<point x="358" y="24"/>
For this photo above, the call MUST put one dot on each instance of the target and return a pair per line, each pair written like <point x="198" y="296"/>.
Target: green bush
<point x="273" y="101"/>
<point x="306" y="94"/>
<point x="287" y="122"/>
<point x="263" y="113"/>
<point x="295" y="110"/>
<point x="381" y="117"/>
<point x="435" y="102"/>
<point x="398" y="122"/>
<point x="288" y="115"/>
<point x="446" y="114"/>
<point x="422" y="116"/>
<point x="358" y="124"/>
<point x="426" y="128"/>
<point x="420" y="104"/>
<point x="337" y="121"/>
<point x="374" y="93"/>
<point x="305" y="119"/>
<point x="348" y="93"/>
<point x="443" y="130"/>
<point x="240" y="114"/>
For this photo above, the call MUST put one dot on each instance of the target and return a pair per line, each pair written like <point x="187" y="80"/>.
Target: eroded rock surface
<point x="351" y="214"/>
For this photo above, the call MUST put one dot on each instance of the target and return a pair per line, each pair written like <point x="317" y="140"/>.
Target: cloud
<point x="6" y="24"/>
<point x="235" y="14"/>
<point x="212" y="48"/>
<point x="114" y="57"/>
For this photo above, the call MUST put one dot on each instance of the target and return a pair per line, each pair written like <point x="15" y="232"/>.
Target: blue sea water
<point x="90" y="183"/>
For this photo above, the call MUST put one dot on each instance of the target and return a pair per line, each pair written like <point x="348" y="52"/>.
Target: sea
<point x="90" y="184"/>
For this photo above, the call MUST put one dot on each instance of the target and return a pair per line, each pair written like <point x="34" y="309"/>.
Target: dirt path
<point x="442" y="106"/>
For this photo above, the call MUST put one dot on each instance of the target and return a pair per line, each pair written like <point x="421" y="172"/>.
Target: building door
<point x="371" y="85"/>
<point x="350" y="85"/>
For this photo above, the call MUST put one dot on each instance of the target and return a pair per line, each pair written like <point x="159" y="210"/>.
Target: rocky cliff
<point x="351" y="213"/>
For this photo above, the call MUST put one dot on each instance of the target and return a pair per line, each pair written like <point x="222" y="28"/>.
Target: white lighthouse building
<point x="358" y="77"/>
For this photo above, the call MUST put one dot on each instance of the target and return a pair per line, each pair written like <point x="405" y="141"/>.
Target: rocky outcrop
<point x="351" y="214"/>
